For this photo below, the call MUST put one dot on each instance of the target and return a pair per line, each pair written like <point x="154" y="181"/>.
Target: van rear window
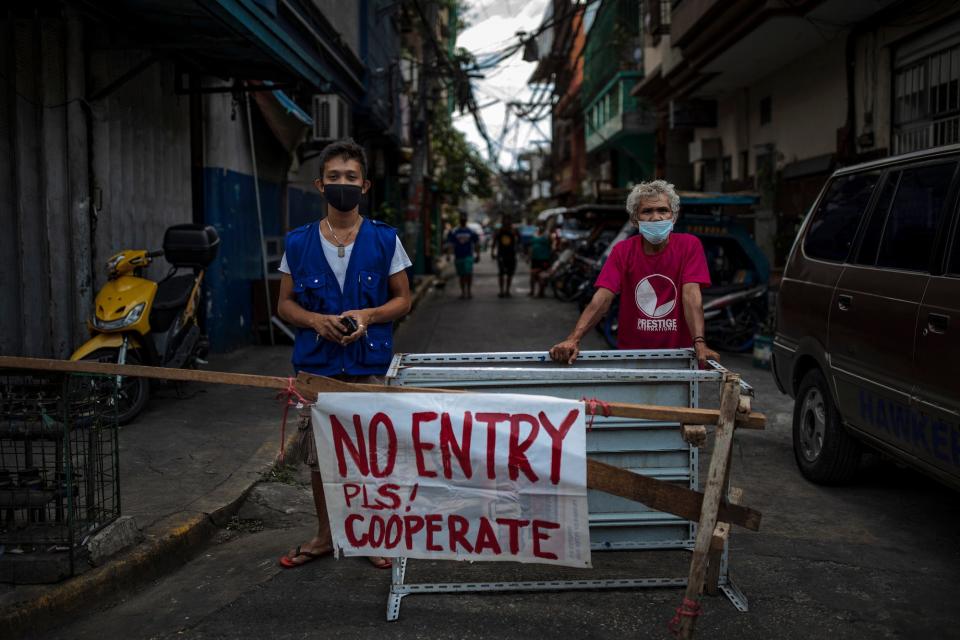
<point x="914" y="217"/>
<point x="834" y="223"/>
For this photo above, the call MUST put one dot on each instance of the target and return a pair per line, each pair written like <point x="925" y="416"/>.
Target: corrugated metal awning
<point x="242" y="39"/>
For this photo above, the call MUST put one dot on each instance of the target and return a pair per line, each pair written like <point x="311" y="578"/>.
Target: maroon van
<point x="868" y="319"/>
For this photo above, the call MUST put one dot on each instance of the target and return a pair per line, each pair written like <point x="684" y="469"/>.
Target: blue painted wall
<point x="230" y="206"/>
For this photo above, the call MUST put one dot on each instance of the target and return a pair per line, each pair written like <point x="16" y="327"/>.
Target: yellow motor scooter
<point x="139" y="321"/>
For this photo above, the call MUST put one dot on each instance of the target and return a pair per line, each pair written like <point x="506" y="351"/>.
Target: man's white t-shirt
<point x="339" y="264"/>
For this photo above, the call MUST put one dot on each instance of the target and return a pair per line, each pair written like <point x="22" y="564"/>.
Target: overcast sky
<point x="492" y="25"/>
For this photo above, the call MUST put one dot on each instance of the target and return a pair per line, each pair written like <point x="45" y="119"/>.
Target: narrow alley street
<point x="892" y="533"/>
<point x="223" y="219"/>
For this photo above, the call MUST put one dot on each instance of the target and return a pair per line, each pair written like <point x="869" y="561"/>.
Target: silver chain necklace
<point x="341" y="248"/>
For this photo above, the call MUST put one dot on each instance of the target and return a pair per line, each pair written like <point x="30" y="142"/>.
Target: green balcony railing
<point x="614" y="112"/>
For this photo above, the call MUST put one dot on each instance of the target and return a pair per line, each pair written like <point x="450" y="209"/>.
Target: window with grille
<point x="926" y="94"/>
<point x="658" y="15"/>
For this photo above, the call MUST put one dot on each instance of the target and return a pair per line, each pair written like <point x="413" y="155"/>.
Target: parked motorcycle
<point x="730" y="318"/>
<point x="733" y="314"/>
<point x="577" y="277"/>
<point x="139" y="321"/>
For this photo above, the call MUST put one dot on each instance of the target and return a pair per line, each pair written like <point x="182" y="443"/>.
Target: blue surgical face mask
<point x="656" y="232"/>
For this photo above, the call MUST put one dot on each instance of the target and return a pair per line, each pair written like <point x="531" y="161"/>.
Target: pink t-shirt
<point x="651" y="288"/>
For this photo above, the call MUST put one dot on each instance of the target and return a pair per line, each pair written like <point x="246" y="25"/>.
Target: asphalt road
<point x="874" y="559"/>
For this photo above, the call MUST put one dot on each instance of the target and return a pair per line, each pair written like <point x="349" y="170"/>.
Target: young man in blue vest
<point x="344" y="284"/>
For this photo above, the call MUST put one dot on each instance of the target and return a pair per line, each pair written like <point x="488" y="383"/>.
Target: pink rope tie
<point x="290" y="397"/>
<point x="687" y="609"/>
<point x="594" y="406"/>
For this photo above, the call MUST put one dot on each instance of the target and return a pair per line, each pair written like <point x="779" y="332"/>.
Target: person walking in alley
<point x="540" y="254"/>
<point x="504" y="251"/>
<point x="465" y="245"/>
<point x="658" y="274"/>
<point x="343" y="285"/>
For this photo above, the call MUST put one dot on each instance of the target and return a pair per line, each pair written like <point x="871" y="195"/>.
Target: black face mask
<point x="342" y="197"/>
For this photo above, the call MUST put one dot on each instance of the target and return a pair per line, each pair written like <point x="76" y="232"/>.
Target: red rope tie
<point x="687" y="609"/>
<point x="287" y="398"/>
<point x="593" y="405"/>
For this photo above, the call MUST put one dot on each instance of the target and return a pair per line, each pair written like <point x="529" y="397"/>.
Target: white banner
<point x="458" y="476"/>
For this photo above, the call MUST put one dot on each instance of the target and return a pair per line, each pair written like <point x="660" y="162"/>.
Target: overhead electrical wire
<point x="535" y="110"/>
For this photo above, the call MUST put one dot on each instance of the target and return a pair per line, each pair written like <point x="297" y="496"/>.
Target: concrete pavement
<point x="185" y="465"/>
<point x="874" y="559"/>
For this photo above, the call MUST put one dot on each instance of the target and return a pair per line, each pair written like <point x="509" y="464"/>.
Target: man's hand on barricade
<point x="327" y="327"/>
<point x="362" y="318"/>
<point x="565" y="352"/>
<point x="705" y="353"/>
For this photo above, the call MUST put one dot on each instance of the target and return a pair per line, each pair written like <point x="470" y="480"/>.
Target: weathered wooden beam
<point x="308" y="383"/>
<point x="140" y="371"/>
<point x="721" y="534"/>
<point x="722" y="531"/>
<point x="686" y="415"/>
<point x="656" y="494"/>
<point x="713" y="492"/>
<point x="663" y="496"/>
<point x="694" y="434"/>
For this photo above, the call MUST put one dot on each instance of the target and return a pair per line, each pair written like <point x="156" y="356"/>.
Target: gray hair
<point x="652" y="189"/>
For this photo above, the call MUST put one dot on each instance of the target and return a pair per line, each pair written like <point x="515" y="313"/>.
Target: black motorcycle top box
<point x="190" y="245"/>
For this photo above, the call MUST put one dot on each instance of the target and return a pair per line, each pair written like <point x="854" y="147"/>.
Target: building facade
<point x="116" y="122"/>
<point x="773" y="96"/>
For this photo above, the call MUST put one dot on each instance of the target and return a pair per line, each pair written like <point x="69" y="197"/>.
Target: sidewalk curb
<point x="175" y="541"/>
<point x="421" y="290"/>
<point x="172" y="542"/>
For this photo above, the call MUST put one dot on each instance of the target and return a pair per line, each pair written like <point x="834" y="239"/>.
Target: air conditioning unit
<point x="331" y="117"/>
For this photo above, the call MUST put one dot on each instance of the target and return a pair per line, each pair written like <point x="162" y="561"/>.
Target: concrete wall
<point x="230" y="205"/>
<point x="808" y="105"/>
<point x="661" y="55"/>
<point x="873" y="62"/>
<point x="345" y="18"/>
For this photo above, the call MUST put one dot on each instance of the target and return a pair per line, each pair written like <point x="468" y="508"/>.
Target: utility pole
<point x="417" y="196"/>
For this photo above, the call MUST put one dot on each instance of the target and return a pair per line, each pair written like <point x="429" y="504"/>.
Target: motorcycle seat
<point x="173" y="293"/>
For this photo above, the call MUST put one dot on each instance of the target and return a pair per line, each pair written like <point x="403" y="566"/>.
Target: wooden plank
<point x="685" y="415"/>
<point x="663" y="496"/>
<point x="716" y="479"/>
<point x="722" y="531"/>
<point x="310" y="384"/>
<point x="656" y="494"/>
<point x="694" y="434"/>
<point x="318" y="384"/>
<point x="721" y="534"/>
<point x="161" y="373"/>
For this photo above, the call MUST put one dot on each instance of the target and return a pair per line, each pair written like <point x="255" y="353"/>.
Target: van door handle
<point x="844" y="301"/>
<point x="938" y="322"/>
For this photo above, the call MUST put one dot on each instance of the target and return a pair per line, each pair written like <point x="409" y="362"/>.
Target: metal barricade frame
<point x="522" y="372"/>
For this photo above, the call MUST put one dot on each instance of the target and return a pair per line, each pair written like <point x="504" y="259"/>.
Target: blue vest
<point x="365" y="287"/>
